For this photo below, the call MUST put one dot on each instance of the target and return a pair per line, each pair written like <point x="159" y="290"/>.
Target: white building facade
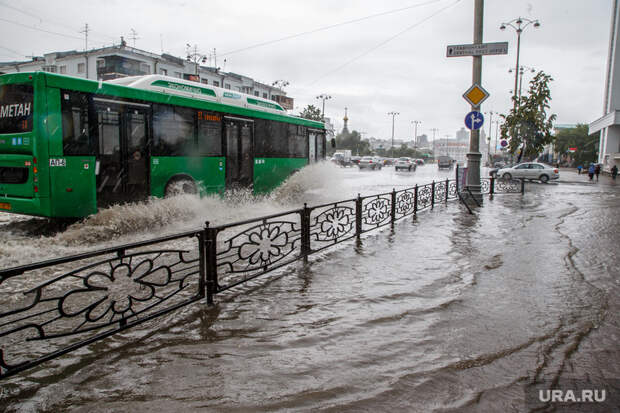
<point x="609" y="123"/>
<point x="120" y="61"/>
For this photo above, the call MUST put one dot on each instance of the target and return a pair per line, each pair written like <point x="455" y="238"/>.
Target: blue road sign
<point x="474" y="120"/>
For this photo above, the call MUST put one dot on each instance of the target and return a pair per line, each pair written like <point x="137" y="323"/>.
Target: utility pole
<point x="434" y="130"/>
<point x="85" y="31"/>
<point x="134" y="37"/>
<point x="490" y="113"/>
<point x="415" y="133"/>
<point x="393" y="114"/>
<point x="473" y="156"/>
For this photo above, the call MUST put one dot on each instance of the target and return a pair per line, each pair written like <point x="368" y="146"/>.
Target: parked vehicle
<point x="444" y="162"/>
<point x="405" y="164"/>
<point x="530" y="170"/>
<point x="370" y="162"/>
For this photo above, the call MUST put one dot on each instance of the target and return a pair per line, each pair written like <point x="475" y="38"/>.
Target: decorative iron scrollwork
<point x="333" y="223"/>
<point x="452" y="188"/>
<point x="440" y="191"/>
<point x="508" y="186"/>
<point x="404" y="202"/>
<point x="376" y="211"/>
<point x="485" y="185"/>
<point x="425" y="194"/>
<point x="100" y="296"/>
<point x="259" y="247"/>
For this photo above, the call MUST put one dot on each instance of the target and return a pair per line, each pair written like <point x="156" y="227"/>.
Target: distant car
<point x="387" y="161"/>
<point x="530" y="170"/>
<point x="370" y="162"/>
<point x="444" y="162"/>
<point x="405" y="164"/>
<point x="419" y="161"/>
<point x="355" y="159"/>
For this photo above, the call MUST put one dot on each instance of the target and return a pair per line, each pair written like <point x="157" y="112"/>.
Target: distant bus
<point x="70" y="146"/>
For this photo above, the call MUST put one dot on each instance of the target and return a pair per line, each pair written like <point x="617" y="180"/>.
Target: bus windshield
<point x="16" y="108"/>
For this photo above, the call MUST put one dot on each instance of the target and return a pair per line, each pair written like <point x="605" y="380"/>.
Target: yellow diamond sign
<point x="475" y="95"/>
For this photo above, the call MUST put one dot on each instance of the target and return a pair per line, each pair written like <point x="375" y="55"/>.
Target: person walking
<point x="614" y="172"/>
<point x="591" y="171"/>
<point x="579" y="168"/>
<point x="597" y="171"/>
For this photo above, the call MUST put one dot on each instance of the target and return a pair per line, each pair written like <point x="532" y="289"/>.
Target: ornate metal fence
<point x="88" y="297"/>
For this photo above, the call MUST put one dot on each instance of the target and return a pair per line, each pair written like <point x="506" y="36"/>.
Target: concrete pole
<point x="473" y="156"/>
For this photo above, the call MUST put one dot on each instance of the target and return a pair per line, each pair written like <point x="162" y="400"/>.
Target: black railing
<point x="90" y="296"/>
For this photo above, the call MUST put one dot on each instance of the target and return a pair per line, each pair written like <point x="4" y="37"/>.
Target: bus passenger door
<point x="312" y="147"/>
<point x="109" y="166"/>
<point x="239" y="145"/>
<point x="135" y="152"/>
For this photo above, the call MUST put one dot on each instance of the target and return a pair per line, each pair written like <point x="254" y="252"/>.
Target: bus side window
<point x="174" y="131"/>
<point x="76" y="137"/>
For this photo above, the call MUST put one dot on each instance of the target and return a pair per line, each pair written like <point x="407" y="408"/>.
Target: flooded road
<point x="452" y="312"/>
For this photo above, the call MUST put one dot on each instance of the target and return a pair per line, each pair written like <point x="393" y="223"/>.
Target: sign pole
<point x="474" y="156"/>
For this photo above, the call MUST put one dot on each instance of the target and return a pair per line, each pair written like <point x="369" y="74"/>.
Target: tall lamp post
<point x="490" y="113"/>
<point x="393" y="114"/>
<point x="195" y="56"/>
<point x="415" y="124"/>
<point x="519" y="24"/>
<point x="323" y="97"/>
<point x="434" y="130"/>
<point x="521" y="70"/>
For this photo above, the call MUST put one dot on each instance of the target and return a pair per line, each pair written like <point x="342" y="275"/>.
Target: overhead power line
<point x="44" y="30"/>
<point x="384" y="42"/>
<point x="292" y="36"/>
<point x="48" y="20"/>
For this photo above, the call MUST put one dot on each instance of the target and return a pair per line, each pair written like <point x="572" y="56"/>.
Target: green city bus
<point x="69" y="146"/>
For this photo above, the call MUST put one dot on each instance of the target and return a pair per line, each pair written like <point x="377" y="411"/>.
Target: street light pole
<point x="434" y="130"/>
<point x="519" y="24"/>
<point x="323" y="97"/>
<point x="490" y="113"/>
<point x="415" y="133"/>
<point x="393" y="114"/>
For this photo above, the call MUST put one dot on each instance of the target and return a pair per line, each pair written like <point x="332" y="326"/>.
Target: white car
<point x="530" y="170"/>
<point x="370" y="162"/>
<point x="406" y="164"/>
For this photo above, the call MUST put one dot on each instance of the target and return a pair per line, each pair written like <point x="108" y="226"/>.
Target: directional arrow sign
<point x="474" y="120"/>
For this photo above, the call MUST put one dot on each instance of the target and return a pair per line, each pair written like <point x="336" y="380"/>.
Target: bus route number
<point x="58" y="162"/>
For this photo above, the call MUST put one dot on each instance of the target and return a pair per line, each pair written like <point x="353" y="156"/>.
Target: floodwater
<point x="451" y="312"/>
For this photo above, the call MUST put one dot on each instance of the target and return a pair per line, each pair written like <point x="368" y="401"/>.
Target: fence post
<point x="393" y="205"/>
<point x="358" y="216"/>
<point x="457" y="177"/>
<point x="447" y="188"/>
<point x="415" y="201"/>
<point x="492" y="186"/>
<point x="433" y="194"/>
<point x="305" y="232"/>
<point x="202" y="262"/>
<point x="211" y="245"/>
<point x="522" y="186"/>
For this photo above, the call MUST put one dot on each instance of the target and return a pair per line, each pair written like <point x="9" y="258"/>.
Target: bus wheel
<point x="179" y="186"/>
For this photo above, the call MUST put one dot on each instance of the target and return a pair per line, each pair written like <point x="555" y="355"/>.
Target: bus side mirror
<point x="333" y="142"/>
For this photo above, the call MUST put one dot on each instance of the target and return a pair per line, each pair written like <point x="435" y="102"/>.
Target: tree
<point x="578" y="137"/>
<point x="527" y="123"/>
<point x="311" y="112"/>
<point x="353" y="141"/>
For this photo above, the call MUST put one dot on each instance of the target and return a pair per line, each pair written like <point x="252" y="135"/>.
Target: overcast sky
<point x="357" y="63"/>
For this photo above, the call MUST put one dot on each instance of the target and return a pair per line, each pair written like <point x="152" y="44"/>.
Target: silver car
<point x="405" y="164"/>
<point x="531" y="171"/>
<point x="370" y="162"/>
